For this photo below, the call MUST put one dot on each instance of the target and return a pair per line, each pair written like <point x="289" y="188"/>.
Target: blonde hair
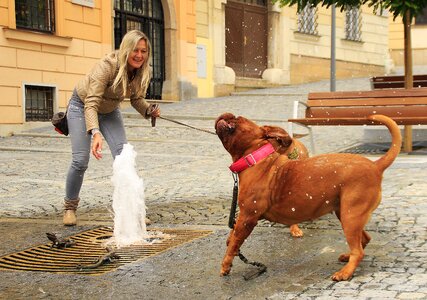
<point x="128" y="44"/>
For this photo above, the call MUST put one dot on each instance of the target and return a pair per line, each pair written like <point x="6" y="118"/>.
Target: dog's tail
<point x="396" y="141"/>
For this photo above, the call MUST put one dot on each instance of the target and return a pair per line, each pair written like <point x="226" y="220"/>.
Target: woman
<point x="93" y="111"/>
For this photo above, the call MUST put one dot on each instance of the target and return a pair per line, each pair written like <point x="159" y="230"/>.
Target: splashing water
<point x="128" y="200"/>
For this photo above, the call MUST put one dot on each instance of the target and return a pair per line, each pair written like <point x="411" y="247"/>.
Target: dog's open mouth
<point x="223" y="124"/>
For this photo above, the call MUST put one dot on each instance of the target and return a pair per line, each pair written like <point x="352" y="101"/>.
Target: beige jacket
<point x="98" y="96"/>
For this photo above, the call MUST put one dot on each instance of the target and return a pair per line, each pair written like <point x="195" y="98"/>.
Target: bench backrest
<point x="397" y="81"/>
<point x="392" y="103"/>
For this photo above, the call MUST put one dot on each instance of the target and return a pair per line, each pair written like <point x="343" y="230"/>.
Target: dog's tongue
<point x="221" y="124"/>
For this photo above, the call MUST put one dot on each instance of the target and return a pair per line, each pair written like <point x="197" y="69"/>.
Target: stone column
<point x="277" y="71"/>
<point x="223" y="76"/>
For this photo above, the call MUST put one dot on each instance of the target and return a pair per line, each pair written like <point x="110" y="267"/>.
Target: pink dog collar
<point x="252" y="158"/>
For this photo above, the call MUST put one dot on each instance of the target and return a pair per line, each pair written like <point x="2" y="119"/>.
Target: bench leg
<point x="290" y="129"/>
<point x="312" y="140"/>
<point x="407" y="138"/>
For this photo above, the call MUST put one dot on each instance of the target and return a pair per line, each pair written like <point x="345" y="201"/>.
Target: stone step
<point x="245" y="84"/>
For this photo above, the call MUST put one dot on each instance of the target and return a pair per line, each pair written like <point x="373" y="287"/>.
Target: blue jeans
<point x="112" y="129"/>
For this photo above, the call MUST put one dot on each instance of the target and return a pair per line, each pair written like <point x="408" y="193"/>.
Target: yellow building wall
<point x="205" y="84"/>
<point x="83" y="35"/>
<point x="396" y="42"/>
<point x="186" y="33"/>
<point x="313" y="52"/>
<point x="4" y="13"/>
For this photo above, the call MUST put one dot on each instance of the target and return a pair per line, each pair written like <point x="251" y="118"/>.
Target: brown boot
<point x="70" y="207"/>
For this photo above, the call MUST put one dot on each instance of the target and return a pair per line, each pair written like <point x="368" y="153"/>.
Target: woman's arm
<point x="97" y="81"/>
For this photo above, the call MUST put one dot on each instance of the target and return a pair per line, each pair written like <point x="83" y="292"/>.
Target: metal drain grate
<point x="88" y="249"/>
<point x="381" y="148"/>
<point x="368" y="149"/>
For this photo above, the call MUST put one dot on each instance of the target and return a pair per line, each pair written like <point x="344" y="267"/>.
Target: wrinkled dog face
<point x="236" y="133"/>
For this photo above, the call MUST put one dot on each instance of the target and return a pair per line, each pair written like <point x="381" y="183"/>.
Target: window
<point x="36" y="15"/>
<point x="421" y="19"/>
<point x="353" y="24"/>
<point x="38" y="103"/>
<point x="307" y="20"/>
<point x="147" y="16"/>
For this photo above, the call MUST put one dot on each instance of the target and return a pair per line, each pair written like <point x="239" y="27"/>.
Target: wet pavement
<point x="188" y="186"/>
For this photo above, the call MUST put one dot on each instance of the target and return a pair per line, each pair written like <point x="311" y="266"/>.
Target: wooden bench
<point x="396" y="82"/>
<point x="405" y="106"/>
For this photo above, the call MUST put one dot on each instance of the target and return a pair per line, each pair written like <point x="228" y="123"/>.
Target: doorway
<point x="246" y="38"/>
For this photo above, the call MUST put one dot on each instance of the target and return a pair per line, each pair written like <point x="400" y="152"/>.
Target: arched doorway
<point x="246" y="37"/>
<point x="147" y="16"/>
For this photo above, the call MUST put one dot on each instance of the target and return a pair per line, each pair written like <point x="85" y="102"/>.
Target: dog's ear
<point x="278" y="134"/>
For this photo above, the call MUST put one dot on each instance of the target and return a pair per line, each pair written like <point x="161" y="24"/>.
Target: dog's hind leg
<point x="366" y="238"/>
<point x="365" y="241"/>
<point x="242" y="229"/>
<point x="357" y="238"/>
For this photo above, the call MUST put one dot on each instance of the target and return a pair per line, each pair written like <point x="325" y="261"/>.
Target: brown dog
<point x="288" y="191"/>
<point x="296" y="150"/>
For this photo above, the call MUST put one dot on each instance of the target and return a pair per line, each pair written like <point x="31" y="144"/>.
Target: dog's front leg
<point x="242" y="229"/>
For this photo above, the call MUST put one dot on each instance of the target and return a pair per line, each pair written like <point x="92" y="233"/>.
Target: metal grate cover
<point x="89" y="248"/>
<point x="381" y="148"/>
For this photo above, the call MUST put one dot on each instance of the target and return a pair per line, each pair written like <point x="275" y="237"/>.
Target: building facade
<point x="201" y="48"/>
<point x="418" y="43"/>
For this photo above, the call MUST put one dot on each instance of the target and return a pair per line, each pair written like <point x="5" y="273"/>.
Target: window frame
<point x="45" y="23"/>
<point x="353" y="29"/>
<point x="55" y="104"/>
<point x="307" y="20"/>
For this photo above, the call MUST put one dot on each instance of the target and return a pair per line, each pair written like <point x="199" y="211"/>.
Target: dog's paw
<point x="225" y="269"/>
<point x="296" y="231"/>
<point x="224" y="272"/>
<point x="341" y="276"/>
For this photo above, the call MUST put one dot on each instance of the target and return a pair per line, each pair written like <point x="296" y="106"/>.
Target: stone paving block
<point x="411" y="296"/>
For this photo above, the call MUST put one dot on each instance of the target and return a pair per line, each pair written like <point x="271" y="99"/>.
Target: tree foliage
<point x="396" y="7"/>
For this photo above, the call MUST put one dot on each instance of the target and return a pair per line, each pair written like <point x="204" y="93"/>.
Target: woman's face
<point x="138" y="55"/>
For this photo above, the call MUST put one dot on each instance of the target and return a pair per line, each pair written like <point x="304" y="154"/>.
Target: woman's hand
<point x="156" y="111"/>
<point x="97" y="145"/>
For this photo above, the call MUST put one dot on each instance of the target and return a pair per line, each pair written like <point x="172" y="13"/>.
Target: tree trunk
<point x="409" y="81"/>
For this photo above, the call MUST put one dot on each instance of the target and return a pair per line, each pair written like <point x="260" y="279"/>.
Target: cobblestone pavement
<point x="187" y="184"/>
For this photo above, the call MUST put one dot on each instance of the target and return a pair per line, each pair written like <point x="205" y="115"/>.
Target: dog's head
<point x="239" y="134"/>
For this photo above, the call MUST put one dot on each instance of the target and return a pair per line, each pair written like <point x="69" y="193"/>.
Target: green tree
<point x="407" y="9"/>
